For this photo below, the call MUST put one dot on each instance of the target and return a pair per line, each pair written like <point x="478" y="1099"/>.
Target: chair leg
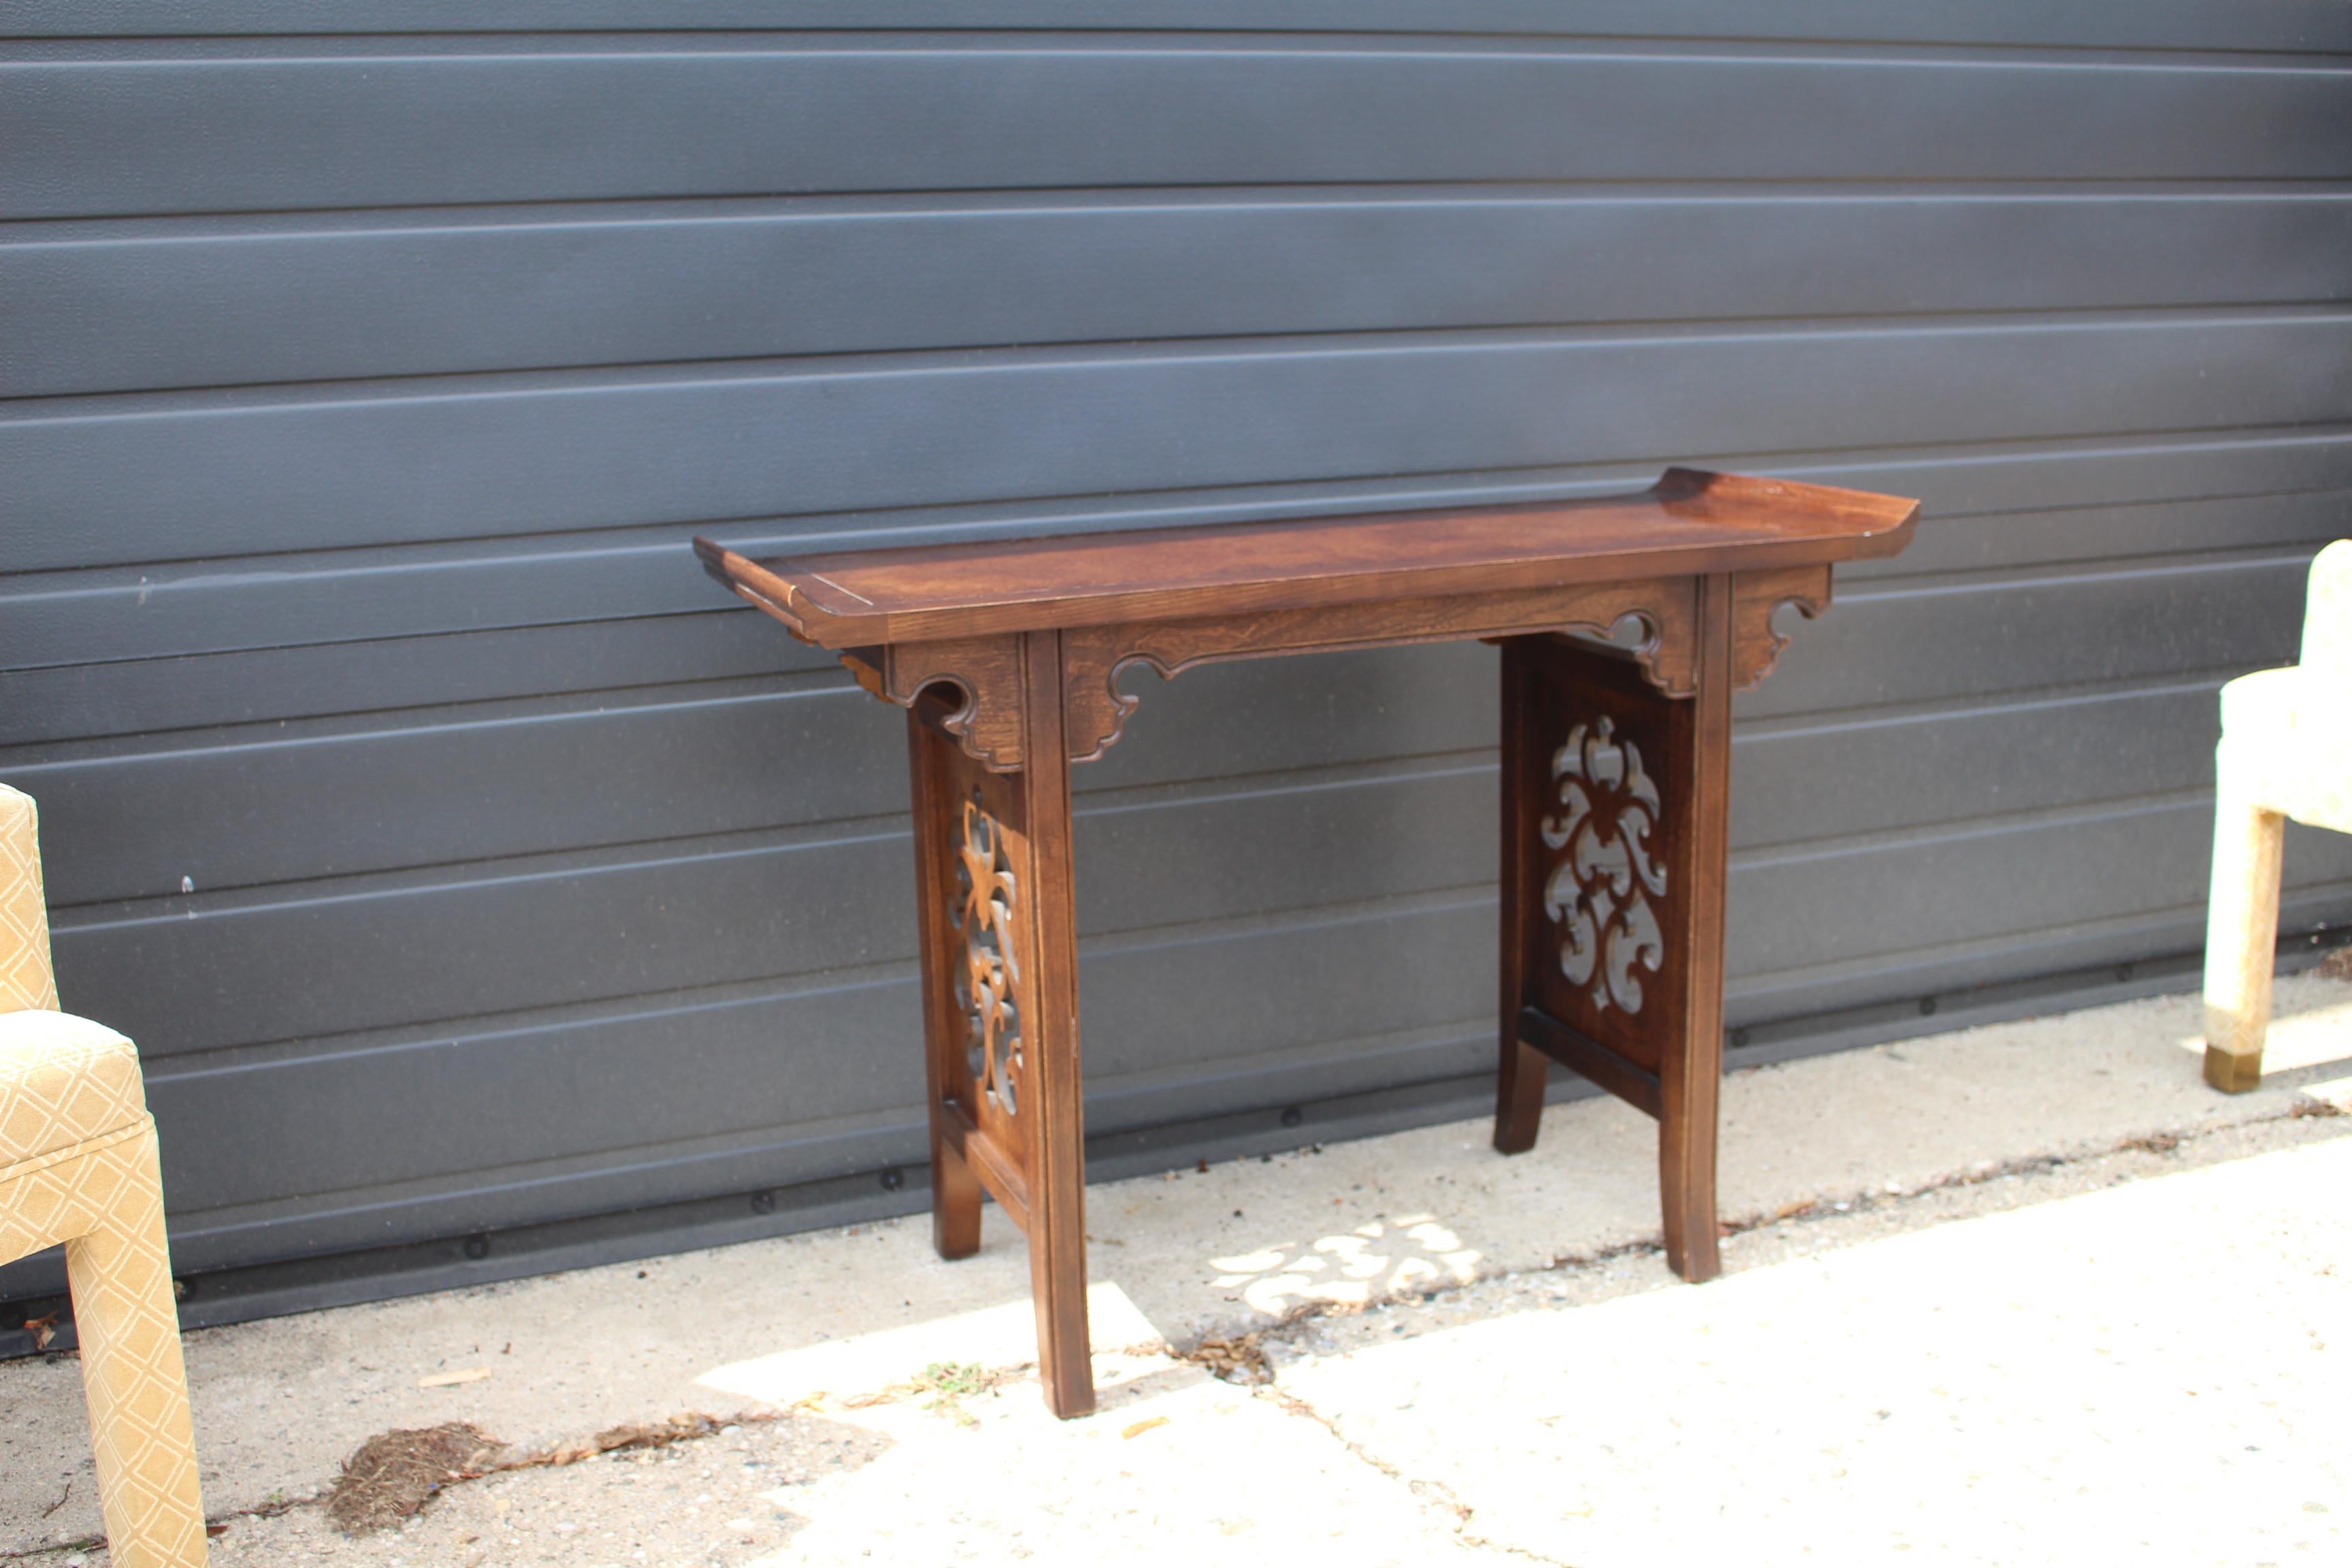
<point x="2240" y="938"/>
<point x="132" y="1376"/>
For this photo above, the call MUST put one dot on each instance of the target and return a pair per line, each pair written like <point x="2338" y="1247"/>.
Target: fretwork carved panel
<point x="984" y="915"/>
<point x="1606" y="872"/>
<point x="1603" y="829"/>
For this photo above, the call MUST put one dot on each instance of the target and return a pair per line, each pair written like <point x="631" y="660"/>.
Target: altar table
<point x="1616" y="783"/>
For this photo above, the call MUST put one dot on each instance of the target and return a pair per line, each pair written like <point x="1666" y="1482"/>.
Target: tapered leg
<point x="1055" y="1175"/>
<point x="1690" y="1076"/>
<point x="132" y="1375"/>
<point x="955" y="1189"/>
<point x="2241" y="936"/>
<point x="1523" y="1072"/>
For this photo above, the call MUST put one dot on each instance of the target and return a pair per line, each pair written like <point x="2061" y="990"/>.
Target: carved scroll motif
<point x="1096" y="709"/>
<point x="984" y="915"/>
<point x="1601" y="889"/>
<point x="985" y="672"/>
<point x="1756" y="596"/>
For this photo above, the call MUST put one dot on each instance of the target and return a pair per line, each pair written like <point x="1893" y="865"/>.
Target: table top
<point x="1690" y="521"/>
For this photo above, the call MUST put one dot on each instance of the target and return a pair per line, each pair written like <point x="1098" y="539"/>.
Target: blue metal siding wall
<point x="363" y="390"/>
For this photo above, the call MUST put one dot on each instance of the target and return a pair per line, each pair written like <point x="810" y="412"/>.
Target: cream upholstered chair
<point x="77" y="1166"/>
<point x="2286" y="751"/>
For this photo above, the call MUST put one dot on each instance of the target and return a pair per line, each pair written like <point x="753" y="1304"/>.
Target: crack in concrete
<point x="2189" y="1150"/>
<point x="1435" y="1496"/>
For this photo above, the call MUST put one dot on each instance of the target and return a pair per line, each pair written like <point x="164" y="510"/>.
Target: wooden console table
<point x="1615" y="769"/>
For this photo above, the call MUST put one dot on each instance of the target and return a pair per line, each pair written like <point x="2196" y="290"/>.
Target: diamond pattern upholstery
<point x="77" y="1166"/>
<point x="63" y="1080"/>
<point x="24" y="977"/>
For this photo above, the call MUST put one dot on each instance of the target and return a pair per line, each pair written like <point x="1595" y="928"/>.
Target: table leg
<point x="1691" y="1076"/>
<point x="1056" y="1172"/>
<point x="1525" y="1071"/>
<point x="931" y="759"/>
<point x="1001" y="1006"/>
<point x="1615" y="829"/>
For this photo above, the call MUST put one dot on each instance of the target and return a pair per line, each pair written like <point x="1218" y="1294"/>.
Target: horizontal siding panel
<point x="2298" y="24"/>
<point x="2031" y="504"/>
<point x="217" y="478"/>
<point x="492" y="1098"/>
<point x="384" y="123"/>
<point x="731" y="1094"/>
<point x="2307" y="519"/>
<point x="209" y="973"/>
<point x="278" y="684"/>
<point x="666" y="919"/>
<point x="1968" y="884"/>
<point x="2064" y="953"/>
<point x="256" y="812"/>
<point x="253" y="812"/>
<point x="251" y="809"/>
<point x="1923" y="641"/>
<point x="131" y="307"/>
<point x="1801" y="780"/>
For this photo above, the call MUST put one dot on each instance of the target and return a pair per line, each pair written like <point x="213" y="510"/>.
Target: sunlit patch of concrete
<point x="1377" y="1259"/>
<point x="2154" y="1372"/>
<point x="1004" y="1335"/>
<point x="1208" y="1473"/>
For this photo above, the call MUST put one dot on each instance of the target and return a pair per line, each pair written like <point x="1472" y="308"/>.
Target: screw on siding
<point x="1927" y="1004"/>
<point x="1292" y="1116"/>
<point x="893" y="1179"/>
<point x="1739" y="1039"/>
<point x="478" y="1248"/>
<point x="764" y="1203"/>
<point x="2123" y="972"/>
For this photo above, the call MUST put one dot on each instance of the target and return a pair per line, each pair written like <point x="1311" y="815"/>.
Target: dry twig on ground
<point x="1237" y="1359"/>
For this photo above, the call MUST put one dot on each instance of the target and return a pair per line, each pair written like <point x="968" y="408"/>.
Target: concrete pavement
<point x="2056" y="1374"/>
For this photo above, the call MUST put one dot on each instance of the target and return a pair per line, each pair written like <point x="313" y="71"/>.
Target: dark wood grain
<point x="955" y="1187"/>
<point x="1690" y="1076"/>
<point x="1690" y="523"/>
<point x="1054" y="1108"/>
<point x="1523" y="1072"/>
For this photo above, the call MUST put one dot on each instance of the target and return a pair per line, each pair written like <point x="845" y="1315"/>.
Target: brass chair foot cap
<point x="2232" y="1075"/>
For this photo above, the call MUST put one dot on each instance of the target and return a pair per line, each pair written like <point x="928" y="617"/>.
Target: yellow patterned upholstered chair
<point x="2286" y="751"/>
<point x="77" y="1166"/>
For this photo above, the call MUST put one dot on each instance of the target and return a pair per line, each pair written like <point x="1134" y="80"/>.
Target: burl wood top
<point x="1689" y="521"/>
